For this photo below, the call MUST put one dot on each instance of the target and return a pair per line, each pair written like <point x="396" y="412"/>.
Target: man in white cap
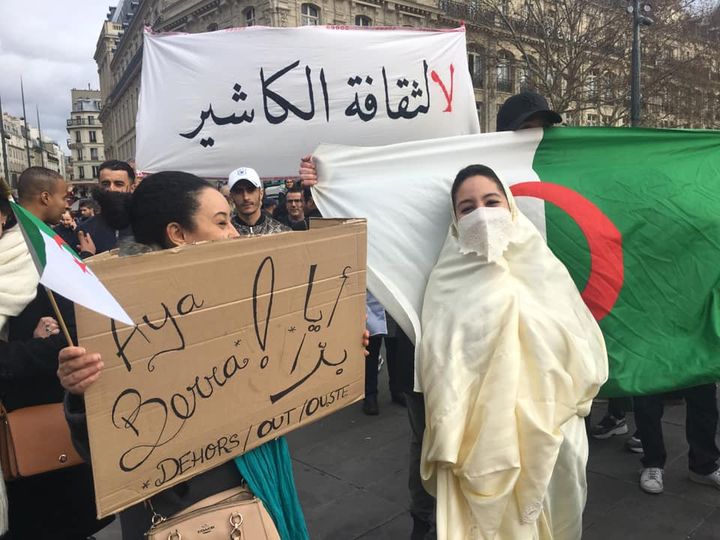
<point x="246" y="191"/>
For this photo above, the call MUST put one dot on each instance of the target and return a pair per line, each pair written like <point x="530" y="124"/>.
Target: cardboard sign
<point x="235" y="343"/>
<point x="212" y="100"/>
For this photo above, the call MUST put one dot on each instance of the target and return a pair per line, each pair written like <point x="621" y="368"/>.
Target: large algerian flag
<point x="633" y="213"/>
<point x="62" y="271"/>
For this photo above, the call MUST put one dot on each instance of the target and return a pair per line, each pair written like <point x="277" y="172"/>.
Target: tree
<point x="577" y="54"/>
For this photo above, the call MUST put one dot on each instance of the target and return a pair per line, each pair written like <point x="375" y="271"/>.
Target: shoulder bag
<point x="234" y="514"/>
<point x="35" y="440"/>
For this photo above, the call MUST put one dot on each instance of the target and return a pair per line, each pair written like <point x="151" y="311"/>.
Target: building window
<point x="94" y="154"/>
<point x="80" y="154"/>
<point x="81" y="172"/>
<point x="526" y="76"/>
<point x="93" y="136"/>
<point x="476" y="65"/>
<point x="96" y="171"/>
<point x="504" y="73"/>
<point x="310" y="15"/>
<point x="480" y="109"/>
<point x="592" y="85"/>
<point x="592" y="120"/>
<point x="363" y="20"/>
<point x="91" y="120"/>
<point x="250" y="16"/>
<point x="78" y="137"/>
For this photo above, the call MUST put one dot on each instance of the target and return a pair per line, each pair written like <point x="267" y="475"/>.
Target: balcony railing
<point x="504" y="85"/>
<point x="89" y="121"/>
<point x="466" y="11"/>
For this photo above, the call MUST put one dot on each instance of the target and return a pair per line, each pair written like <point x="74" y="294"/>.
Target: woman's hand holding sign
<point x="78" y="369"/>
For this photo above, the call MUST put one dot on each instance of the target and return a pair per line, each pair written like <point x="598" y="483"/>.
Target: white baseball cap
<point x="244" y="173"/>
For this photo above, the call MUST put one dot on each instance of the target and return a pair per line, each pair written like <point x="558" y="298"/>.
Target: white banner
<point x="265" y="97"/>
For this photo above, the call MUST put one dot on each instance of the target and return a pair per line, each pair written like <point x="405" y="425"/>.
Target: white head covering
<point x="509" y="354"/>
<point x="19" y="282"/>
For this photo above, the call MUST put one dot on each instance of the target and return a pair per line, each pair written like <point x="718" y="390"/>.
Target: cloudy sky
<point x="50" y="43"/>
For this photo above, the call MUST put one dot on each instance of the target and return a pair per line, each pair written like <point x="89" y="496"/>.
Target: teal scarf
<point x="268" y="472"/>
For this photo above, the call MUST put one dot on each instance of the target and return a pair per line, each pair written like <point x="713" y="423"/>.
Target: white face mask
<point x="486" y="232"/>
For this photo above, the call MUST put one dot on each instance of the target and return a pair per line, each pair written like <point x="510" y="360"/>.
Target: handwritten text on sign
<point x="306" y="85"/>
<point x="235" y="343"/>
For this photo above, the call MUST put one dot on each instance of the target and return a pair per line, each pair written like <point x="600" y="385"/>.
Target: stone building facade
<point x="85" y="136"/>
<point x="497" y="66"/>
<point x="43" y="152"/>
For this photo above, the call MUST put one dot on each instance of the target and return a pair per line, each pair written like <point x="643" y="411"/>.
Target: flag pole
<point x="42" y="148"/>
<point x="59" y="316"/>
<point x="27" y="131"/>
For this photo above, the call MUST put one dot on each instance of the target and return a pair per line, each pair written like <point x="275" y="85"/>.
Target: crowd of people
<point x="509" y="362"/>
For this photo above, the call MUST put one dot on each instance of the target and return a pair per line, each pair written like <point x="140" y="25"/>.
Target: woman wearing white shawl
<point x="509" y="363"/>
<point x="18" y="287"/>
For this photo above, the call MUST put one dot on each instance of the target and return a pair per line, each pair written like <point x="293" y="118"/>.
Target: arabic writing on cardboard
<point x="235" y="343"/>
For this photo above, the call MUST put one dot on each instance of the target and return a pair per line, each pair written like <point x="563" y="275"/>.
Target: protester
<point x="310" y="210"/>
<point x="700" y="428"/>
<point x="524" y="111"/>
<point x="295" y="206"/>
<point x="87" y="210"/>
<point x="246" y="191"/>
<point x="95" y="235"/>
<point x="66" y="229"/>
<point x="377" y="327"/>
<point x="58" y="504"/>
<point x="400" y="358"/>
<point x="172" y="209"/>
<point x="269" y="205"/>
<point x="509" y="363"/>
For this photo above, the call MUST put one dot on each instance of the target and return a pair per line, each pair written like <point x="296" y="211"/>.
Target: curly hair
<point x="161" y="198"/>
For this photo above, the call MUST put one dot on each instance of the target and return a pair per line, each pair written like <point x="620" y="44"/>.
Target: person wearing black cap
<point x="524" y="111"/>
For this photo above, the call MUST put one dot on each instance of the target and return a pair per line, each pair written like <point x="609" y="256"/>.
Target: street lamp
<point x="639" y="11"/>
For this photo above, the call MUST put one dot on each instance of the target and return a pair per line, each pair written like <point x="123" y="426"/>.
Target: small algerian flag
<point x="634" y="214"/>
<point x="62" y="271"/>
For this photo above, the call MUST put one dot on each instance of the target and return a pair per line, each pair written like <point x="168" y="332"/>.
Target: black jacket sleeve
<point x="36" y="357"/>
<point x="77" y="420"/>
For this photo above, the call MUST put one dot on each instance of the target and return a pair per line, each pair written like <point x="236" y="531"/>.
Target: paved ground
<point x="351" y="474"/>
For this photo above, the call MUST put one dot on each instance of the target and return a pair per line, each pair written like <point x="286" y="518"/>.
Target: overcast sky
<point x="50" y="43"/>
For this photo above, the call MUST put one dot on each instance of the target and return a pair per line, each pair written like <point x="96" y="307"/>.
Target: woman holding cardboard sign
<point x="172" y="209"/>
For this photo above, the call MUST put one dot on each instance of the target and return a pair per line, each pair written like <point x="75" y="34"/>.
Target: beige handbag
<point x="235" y="514"/>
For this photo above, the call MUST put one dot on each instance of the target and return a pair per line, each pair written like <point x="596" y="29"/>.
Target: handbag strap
<point x="207" y="501"/>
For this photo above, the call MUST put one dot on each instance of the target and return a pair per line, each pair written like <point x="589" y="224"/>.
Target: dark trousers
<point x="422" y="504"/>
<point x="401" y="362"/>
<point x="371" y="365"/>
<point x="619" y="406"/>
<point x="700" y="427"/>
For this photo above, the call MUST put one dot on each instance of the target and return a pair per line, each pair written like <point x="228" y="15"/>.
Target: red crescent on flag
<point x="63" y="245"/>
<point x="603" y="238"/>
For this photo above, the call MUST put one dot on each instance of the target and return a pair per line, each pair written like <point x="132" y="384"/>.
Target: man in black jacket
<point x="58" y="504"/>
<point x="94" y="234"/>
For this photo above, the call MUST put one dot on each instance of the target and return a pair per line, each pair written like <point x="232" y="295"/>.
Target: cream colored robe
<point x="509" y="362"/>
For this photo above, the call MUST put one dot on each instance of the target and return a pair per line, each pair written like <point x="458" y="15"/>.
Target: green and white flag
<point x="633" y="213"/>
<point x="62" y="271"/>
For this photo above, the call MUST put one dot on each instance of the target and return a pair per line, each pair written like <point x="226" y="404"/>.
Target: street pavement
<point x="351" y="475"/>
